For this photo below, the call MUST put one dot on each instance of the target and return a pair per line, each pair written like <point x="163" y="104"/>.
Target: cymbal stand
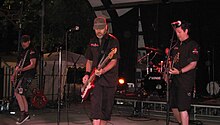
<point x="148" y="61"/>
<point x="153" y="56"/>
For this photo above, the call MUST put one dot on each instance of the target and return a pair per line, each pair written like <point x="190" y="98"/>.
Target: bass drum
<point x="154" y="84"/>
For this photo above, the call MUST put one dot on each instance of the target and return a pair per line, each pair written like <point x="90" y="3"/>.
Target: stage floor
<point x="78" y="114"/>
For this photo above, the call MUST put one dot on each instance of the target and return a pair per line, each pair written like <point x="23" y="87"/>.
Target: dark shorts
<point x="24" y="83"/>
<point x="102" y="100"/>
<point x="180" y="98"/>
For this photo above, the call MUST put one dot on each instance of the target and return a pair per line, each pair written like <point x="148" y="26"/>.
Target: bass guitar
<point x="86" y="88"/>
<point x="18" y="76"/>
<point x="169" y="65"/>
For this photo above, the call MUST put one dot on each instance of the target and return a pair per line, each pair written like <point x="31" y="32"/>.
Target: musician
<point x="183" y="73"/>
<point x="24" y="73"/>
<point x="102" y="95"/>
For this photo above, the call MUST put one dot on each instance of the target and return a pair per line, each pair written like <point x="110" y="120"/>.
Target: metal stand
<point x="76" y="28"/>
<point x="59" y="85"/>
<point x="147" y="61"/>
<point x="168" y="80"/>
<point x="212" y="87"/>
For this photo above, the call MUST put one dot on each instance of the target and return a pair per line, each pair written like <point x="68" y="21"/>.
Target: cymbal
<point x="149" y="48"/>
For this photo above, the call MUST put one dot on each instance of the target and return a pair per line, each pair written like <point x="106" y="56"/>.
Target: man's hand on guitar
<point x="174" y="71"/>
<point x="19" y="70"/>
<point x="85" y="79"/>
<point x="99" y="72"/>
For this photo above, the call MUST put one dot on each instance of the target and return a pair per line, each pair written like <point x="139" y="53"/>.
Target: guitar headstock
<point x="111" y="54"/>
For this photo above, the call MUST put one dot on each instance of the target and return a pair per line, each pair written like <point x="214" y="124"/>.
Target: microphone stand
<point x="59" y="85"/>
<point x="66" y="65"/>
<point x="66" y="54"/>
<point x="168" y="80"/>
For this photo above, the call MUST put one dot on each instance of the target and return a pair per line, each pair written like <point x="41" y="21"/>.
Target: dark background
<point x="155" y="19"/>
<point x="157" y="32"/>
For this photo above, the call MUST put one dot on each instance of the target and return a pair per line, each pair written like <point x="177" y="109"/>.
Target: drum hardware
<point x="154" y="84"/>
<point x="149" y="48"/>
<point x="152" y="79"/>
<point x="4" y="105"/>
<point x="213" y="88"/>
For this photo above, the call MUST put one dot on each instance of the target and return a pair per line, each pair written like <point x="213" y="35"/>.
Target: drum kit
<point x="152" y="66"/>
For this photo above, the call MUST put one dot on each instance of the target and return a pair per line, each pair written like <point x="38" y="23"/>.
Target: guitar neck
<point x="91" y="77"/>
<point x="101" y="65"/>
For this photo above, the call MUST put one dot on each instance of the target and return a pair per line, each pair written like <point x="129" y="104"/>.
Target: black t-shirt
<point x="31" y="53"/>
<point x="188" y="52"/>
<point x="95" y="53"/>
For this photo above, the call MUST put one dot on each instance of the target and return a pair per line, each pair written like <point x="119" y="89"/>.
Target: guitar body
<point x="86" y="88"/>
<point x="39" y="100"/>
<point x="169" y="65"/>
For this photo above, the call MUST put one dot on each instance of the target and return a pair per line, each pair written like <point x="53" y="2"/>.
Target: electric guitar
<point x="86" y="88"/>
<point x="18" y="76"/>
<point x="169" y="65"/>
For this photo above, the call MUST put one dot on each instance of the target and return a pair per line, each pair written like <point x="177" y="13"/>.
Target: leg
<point x="184" y="117"/>
<point x="20" y="101"/>
<point x="96" y="105"/>
<point x="103" y="122"/>
<point x="176" y="114"/>
<point x="96" y="122"/>
<point x="25" y="103"/>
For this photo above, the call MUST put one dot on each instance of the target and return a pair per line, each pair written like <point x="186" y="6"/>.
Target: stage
<point x="128" y="110"/>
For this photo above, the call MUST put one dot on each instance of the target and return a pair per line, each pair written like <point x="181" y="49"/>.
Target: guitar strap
<point x="21" y="66"/>
<point x="102" y="50"/>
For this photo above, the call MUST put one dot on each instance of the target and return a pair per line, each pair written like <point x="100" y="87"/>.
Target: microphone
<point x="176" y="24"/>
<point x="76" y="28"/>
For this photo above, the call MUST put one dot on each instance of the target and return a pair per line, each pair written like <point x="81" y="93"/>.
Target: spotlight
<point x="121" y="81"/>
<point x="121" y="86"/>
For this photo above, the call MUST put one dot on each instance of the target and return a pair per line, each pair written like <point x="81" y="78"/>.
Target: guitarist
<point x="105" y="83"/>
<point x="24" y="73"/>
<point x="183" y="73"/>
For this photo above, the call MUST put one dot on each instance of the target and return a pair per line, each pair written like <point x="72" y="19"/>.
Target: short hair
<point x="25" y="38"/>
<point x="185" y="25"/>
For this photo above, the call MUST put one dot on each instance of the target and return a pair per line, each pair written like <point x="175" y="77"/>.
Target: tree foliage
<point x="60" y="16"/>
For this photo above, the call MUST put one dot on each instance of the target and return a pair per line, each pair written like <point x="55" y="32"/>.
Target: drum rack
<point x="158" y="108"/>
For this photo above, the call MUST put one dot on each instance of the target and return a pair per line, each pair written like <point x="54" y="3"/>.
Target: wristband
<point x="87" y="73"/>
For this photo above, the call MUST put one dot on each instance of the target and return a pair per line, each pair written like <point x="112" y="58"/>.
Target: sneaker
<point x="24" y="117"/>
<point x="29" y="118"/>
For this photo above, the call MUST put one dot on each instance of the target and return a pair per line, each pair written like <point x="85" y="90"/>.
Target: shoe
<point x="24" y="117"/>
<point x="29" y="118"/>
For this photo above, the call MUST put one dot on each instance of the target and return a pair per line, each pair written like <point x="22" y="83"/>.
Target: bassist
<point x="184" y="72"/>
<point x="24" y="73"/>
<point x="105" y="83"/>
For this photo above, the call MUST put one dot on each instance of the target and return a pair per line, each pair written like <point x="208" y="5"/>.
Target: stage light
<point x="121" y="81"/>
<point x="121" y="88"/>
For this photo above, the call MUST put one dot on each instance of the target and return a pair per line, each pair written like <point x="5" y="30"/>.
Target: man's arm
<point x="89" y="66"/>
<point x="88" y="71"/>
<point x="189" y="67"/>
<point x="32" y="65"/>
<point x="185" y="69"/>
<point x="108" y="67"/>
